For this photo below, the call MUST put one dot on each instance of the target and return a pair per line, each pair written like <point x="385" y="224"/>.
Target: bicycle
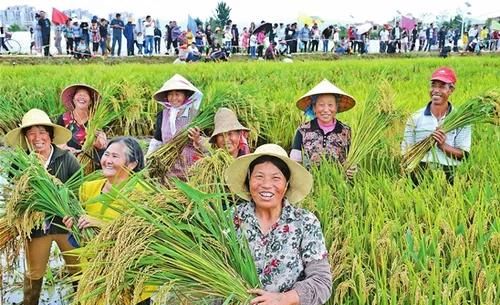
<point x="14" y="47"/>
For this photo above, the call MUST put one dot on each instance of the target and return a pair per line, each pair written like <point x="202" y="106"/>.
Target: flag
<point x="495" y="25"/>
<point x="192" y="24"/>
<point x="407" y="23"/>
<point x="58" y="17"/>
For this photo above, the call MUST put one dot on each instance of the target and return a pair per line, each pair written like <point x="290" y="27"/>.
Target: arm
<point x="461" y="145"/>
<point x="296" y="153"/>
<point x="317" y="287"/>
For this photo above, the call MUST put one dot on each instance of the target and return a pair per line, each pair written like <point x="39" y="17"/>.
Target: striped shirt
<point x="423" y="123"/>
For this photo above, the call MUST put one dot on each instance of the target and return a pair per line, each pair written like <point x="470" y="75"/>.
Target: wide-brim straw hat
<point x="299" y="185"/>
<point x="176" y="82"/>
<point x="69" y="92"/>
<point x="344" y="100"/>
<point x="36" y="117"/>
<point x="225" y="120"/>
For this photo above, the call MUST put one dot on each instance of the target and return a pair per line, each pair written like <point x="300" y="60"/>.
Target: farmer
<point x="80" y="100"/>
<point x="122" y="157"/>
<point x="451" y="147"/>
<point x="324" y="135"/>
<point x="228" y="134"/>
<point x="181" y="101"/>
<point x="39" y="135"/>
<point x="286" y="242"/>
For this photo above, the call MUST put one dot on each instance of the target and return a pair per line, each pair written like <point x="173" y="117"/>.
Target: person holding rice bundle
<point x="39" y="135"/>
<point x="80" y="100"/>
<point x="181" y="101"/>
<point x="228" y="134"/>
<point x="324" y="135"/>
<point x="452" y="147"/>
<point x="122" y="157"/>
<point x="286" y="242"/>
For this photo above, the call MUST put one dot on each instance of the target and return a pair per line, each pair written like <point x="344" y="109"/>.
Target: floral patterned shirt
<point x="79" y="133"/>
<point x="311" y="139"/>
<point x="282" y="254"/>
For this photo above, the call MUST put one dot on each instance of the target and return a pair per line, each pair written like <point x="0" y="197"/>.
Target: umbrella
<point x="365" y="27"/>
<point x="265" y="27"/>
<point x="310" y="20"/>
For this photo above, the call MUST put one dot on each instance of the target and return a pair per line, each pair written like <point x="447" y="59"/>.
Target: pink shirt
<point x="327" y="127"/>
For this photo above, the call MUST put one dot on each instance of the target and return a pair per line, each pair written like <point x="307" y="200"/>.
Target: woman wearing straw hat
<point x="324" y="135"/>
<point x="228" y="134"/>
<point x="80" y="100"/>
<point x="181" y="101"/>
<point x="287" y="243"/>
<point x="38" y="134"/>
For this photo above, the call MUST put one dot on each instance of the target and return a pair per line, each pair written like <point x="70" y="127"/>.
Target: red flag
<point x="407" y="23"/>
<point x="58" y="17"/>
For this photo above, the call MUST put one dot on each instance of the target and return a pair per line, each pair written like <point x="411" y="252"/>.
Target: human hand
<point x="68" y="221"/>
<point x="194" y="135"/>
<point x="101" y="141"/>
<point x="86" y="221"/>
<point x="274" y="298"/>
<point x="439" y="136"/>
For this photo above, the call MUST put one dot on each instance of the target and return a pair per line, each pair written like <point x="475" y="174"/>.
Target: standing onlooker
<point x="3" y="31"/>
<point x="77" y="34"/>
<point x="37" y="34"/>
<point x="414" y="36"/>
<point x="209" y="37"/>
<point x="261" y="37"/>
<point x="68" y="34"/>
<point x="167" y="37"/>
<point x="396" y="34"/>
<point x="58" y="33"/>
<point x="117" y="25"/>
<point x="280" y="32"/>
<point x="245" y="41"/>
<point x="326" y="35"/>
<point x="103" y="32"/>
<point x="198" y="38"/>
<point x="421" y="39"/>
<point x="235" y="38"/>
<point x="157" y="37"/>
<point x="253" y="45"/>
<point x="149" y="34"/>
<point x="227" y="38"/>
<point x="273" y="33"/>
<point x="95" y="36"/>
<point x="304" y="37"/>
<point x="129" y="34"/>
<point x="44" y="24"/>
<point x="140" y="42"/>
<point x="315" y="35"/>
<point x="175" y="33"/>
<point x="384" y="40"/>
<point x="429" y="36"/>
<point x="84" y="26"/>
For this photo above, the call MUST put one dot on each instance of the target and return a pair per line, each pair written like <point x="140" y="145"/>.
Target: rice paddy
<point x="388" y="242"/>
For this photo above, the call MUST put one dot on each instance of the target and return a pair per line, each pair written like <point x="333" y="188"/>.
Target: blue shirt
<point x="117" y="31"/>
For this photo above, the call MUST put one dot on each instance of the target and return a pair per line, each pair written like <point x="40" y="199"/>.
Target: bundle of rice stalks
<point x="481" y="109"/>
<point x="99" y="118"/>
<point x="35" y="193"/>
<point x="161" y="161"/>
<point x="199" y="255"/>
<point x="367" y="130"/>
<point x="207" y="174"/>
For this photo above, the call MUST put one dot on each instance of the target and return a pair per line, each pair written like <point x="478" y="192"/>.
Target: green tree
<point x="222" y="12"/>
<point x="198" y="22"/>
<point x="14" y="28"/>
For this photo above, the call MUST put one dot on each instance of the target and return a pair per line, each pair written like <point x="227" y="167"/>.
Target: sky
<point x="245" y="11"/>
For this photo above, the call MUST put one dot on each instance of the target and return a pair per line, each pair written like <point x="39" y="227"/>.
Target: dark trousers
<point x="95" y="47"/>
<point x="157" y="45"/>
<point x="69" y="45"/>
<point x="423" y="168"/>
<point x="130" y="47"/>
<point x="46" y="43"/>
<point x="2" y="44"/>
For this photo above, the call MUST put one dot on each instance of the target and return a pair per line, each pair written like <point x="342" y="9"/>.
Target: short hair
<point x="118" y="15"/>
<point x="49" y="129"/>
<point x="280" y="164"/>
<point x="133" y="152"/>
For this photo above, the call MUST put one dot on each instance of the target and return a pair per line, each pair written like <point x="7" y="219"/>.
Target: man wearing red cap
<point x="450" y="147"/>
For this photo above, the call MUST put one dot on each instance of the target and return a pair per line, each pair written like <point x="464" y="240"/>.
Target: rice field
<point x="389" y="243"/>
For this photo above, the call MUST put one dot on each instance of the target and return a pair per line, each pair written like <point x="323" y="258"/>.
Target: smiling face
<point x="114" y="162"/>
<point x="39" y="139"/>
<point x="81" y="99"/>
<point x="267" y="186"/>
<point x="176" y="97"/>
<point x="325" y="108"/>
<point x="440" y="92"/>
<point x="229" y="141"/>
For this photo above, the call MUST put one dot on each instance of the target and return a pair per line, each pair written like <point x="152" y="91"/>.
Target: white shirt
<point x="422" y="124"/>
<point x="149" y="28"/>
<point x="384" y="35"/>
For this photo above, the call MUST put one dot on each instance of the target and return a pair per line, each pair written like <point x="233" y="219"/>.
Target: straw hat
<point x="345" y="102"/>
<point x="36" y="117"/>
<point x="177" y="82"/>
<point x="69" y="92"/>
<point x="300" y="183"/>
<point x="225" y="120"/>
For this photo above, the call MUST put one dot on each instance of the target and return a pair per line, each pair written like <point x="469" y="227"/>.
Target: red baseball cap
<point x="445" y="74"/>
